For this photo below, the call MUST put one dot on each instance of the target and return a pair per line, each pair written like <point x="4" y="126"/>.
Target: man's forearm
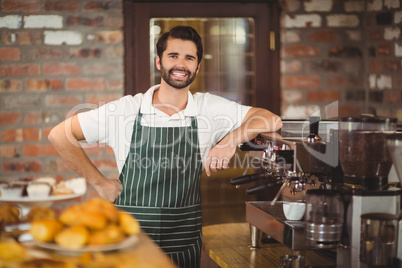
<point x="256" y="122"/>
<point x="68" y="147"/>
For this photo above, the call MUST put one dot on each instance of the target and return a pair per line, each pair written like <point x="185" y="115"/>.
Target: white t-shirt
<point x="113" y="122"/>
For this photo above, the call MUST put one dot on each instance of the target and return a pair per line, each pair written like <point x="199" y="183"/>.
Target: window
<point x="228" y="65"/>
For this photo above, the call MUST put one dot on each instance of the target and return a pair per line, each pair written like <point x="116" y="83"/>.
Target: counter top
<point x="228" y="246"/>
<point x="143" y="253"/>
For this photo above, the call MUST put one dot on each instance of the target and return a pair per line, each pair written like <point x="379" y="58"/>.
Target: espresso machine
<point x="341" y="170"/>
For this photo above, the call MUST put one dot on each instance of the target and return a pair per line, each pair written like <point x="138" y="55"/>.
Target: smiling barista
<point x="161" y="139"/>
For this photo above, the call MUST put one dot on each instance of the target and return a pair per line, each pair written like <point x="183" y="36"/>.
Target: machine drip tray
<point x="271" y="220"/>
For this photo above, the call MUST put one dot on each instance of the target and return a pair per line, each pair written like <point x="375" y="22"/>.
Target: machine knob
<point x="269" y="152"/>
<point x="313" y="137"/>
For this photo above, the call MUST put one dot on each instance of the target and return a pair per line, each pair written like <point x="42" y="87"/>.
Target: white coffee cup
<point x="294" y="211"/>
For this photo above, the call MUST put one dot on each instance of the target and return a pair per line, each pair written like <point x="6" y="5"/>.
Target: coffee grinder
<point x="366" y="163"/>
<point x="394" y="143"/>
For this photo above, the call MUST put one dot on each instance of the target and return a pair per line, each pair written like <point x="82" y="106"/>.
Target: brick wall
<point x="58" y="54"/>
<point x="54" y="56"/>
<point x="348" y="51"/>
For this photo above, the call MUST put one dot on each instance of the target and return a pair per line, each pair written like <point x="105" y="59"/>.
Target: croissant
<point x="73" y="237"/>
<point x="128" y="224"/>
<point x="40" y="213"/>
<point x="107" y="208"/>
<point x="110" y="235"/>
<point x="45" y="230"/>
<point x="71" y="216"/>
<point x="9" y="214"/>
<point x="94" y="220"/>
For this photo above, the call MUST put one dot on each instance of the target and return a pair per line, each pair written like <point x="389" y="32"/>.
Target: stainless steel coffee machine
<point x="342" y="162"/>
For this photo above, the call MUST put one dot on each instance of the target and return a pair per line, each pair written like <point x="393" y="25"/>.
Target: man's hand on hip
<point x="109" y="189"/>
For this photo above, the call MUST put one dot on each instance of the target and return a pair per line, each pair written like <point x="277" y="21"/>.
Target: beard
<point x="179" y="84"/>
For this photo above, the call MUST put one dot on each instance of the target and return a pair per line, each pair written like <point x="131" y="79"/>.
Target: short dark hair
<point x="183" y="33"/>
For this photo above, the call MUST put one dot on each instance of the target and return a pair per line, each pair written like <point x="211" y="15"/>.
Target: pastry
<point x="49" y="180"/>
<point x="107" y="208"/>
<point x="2" y="184"/>
<point x="11" y="251"/>
<point x="61" y="189"/>
<point x="12" y="191"/>
<point x="78" y="185"/>
<point x="94" y="220"/>
<point x="40" y="213"/>
<point x="9" y="214"/>
<point x="38" y="190"/>
<point x="110" y="235"/>
<point x="21" y="183"/>
<point x="74" y="237"/>
<point x="128" y="224"/>
<point x="71" y="215"/>
<point x="45" y="230"/>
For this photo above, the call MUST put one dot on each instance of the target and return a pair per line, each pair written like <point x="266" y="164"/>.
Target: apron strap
<point x="138" y="119"/>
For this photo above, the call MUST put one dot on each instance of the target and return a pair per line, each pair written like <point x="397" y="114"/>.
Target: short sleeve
<point x="110" y="121"/>
<point x="228" y="116"/>
<point x="222" y="116"/>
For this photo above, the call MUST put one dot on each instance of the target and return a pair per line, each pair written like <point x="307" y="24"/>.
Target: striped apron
<point x="161" y="188"/>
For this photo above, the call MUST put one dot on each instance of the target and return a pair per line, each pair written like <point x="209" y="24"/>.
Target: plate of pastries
<point x="93" y="225"/>
<point x="41" y="189"/>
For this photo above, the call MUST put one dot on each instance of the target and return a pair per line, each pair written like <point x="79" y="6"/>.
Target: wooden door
<point x="260" y="90"/>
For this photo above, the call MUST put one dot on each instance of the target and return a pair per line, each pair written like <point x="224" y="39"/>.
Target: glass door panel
<point x="228" y="66"/>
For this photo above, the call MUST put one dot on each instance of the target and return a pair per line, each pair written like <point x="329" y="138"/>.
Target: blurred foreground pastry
<point x="40" y="213"/>
<point x="128" y="223"/>
<point x="45" y="230"/>
<point x="10" y="250"/>
<point x="73" y="237"/>
<point x="110" y="235"/>
<point x="9" y="214"/>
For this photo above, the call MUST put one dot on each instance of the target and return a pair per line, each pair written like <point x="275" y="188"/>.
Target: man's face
<point x="179" y="65"/>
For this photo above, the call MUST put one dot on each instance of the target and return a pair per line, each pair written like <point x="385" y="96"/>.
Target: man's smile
<point x="179" y="74"/>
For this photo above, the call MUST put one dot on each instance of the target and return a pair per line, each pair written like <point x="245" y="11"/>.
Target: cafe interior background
<point x="57" y="58"/>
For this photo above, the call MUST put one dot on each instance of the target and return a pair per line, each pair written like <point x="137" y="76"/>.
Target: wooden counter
<point x="143" y="253"/>
<point x="228" y="246"/>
